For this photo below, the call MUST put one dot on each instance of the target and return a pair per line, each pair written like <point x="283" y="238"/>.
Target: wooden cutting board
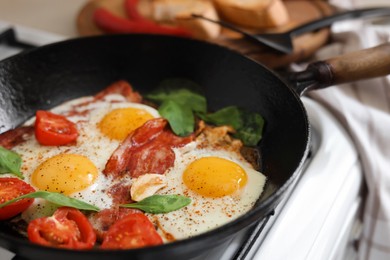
<point x="300" y="12"/>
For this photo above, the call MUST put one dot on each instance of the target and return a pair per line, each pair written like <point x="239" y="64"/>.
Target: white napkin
<point x="364" y="109"/>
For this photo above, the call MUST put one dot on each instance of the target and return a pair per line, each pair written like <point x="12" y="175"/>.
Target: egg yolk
<point x="65" y="173"/>
<point x="214" y="177"/>
<point x="120" y="122"/>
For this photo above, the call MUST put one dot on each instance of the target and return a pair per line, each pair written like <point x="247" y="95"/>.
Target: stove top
<point x="319" y="218"/>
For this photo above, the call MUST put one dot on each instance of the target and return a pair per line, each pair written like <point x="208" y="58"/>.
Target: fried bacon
<point x="123" y="88"/>
<point x="146" y="150"/>
<point x="120" y="192"/>
<point x="102" y="220"/>
<point x="16" y="136"/>
<point x="120" y="87"/>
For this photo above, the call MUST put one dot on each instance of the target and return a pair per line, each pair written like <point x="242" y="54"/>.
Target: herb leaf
<point x="56" y="198"/>
<point x="192" y="100"/>
<point x="10" y="162"/>
<point x="248" y="125"/>
<point x="251" y="130"/>
<point x="157" y="204"/>
<point x="181" y="99"/>
<point x="226" y="116"/>
<point x="180" y="117"/>
<point x="183" y="91"/>
<point x="178" y="99"/>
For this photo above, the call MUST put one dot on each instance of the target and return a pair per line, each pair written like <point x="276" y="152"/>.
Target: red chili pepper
<point x="132" y="11"/>
<point x="111" y="23"/>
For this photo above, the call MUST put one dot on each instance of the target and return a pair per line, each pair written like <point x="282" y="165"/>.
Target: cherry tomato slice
<point x="67" y="228"/>
<point x="133" y="231"/>
<point x="11" y="188"/>
<point x="53" y="129"/>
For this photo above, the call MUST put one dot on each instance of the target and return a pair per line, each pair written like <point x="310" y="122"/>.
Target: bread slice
<point x="253" y="13"/>
<point x="179" y="12"/>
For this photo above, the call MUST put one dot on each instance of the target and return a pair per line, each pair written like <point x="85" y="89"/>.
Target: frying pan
<point x="52" y="74"/>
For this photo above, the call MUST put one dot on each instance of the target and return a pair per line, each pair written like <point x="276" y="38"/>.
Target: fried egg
<point x="76" y="170"/>
<point x="221" y="184"/>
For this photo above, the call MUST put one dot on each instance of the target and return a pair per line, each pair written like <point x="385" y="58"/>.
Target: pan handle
<point x="363" y="64"/>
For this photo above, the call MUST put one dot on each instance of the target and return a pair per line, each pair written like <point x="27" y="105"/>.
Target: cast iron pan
<point x="50" y="75"/>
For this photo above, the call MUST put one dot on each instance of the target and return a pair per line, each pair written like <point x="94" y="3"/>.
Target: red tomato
<point x="133" y="231"/>
<point x="67" y="228"/>
<point x="11" y="188"/>
<point x="52" y="129"/>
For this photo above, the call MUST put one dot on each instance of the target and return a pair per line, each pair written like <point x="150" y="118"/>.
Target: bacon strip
<point x="102" y="220"/>
<point x="120" y="193"/>
<point x="16" y="136"/>
<point x="146" y="150"/>
<point x="120" y="87"/>
<point x="123" y="88"/>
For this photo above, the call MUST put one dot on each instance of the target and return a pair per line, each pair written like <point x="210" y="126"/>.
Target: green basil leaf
<point x="248" y="125"/>
<point x="56" y="198"/>
<point x="195" y="102"/>
<point x="187" y="98"/>
<point x="182" y="91"/>
<point x="252" y="129"/>
<point x="10" y="162"/>
<point x="180" y="117"/>
<point x="192" y="100"/>
<point x="226" y="116"/>
<point x="158" y="204"/>
<point x="178" y="99"/>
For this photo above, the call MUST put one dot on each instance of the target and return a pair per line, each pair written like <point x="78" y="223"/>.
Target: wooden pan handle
<point x="363" y="64"/>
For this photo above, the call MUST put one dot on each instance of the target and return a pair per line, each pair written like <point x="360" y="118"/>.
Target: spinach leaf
<point x="248" y="125"/>
<point x="157" y="204"/>
<point x="10" y="162"/>
<point x="56" y="198"/>
<point x="180" y="117"/>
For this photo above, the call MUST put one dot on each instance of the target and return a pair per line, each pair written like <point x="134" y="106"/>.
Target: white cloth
<point x="364" y="109"/>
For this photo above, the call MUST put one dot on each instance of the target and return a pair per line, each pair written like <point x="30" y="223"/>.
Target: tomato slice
<point x="133" y="231"/>
<point x="11" y="188"/>
<point x="67" y="228"/>
<point x="53" y="129"/>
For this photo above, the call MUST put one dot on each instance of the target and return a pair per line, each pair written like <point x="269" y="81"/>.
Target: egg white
<point x="205" y="213"/>
<point x="90" y="143"/>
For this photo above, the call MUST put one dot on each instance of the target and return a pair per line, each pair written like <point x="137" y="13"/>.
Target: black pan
<point x="50" y="75"/>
